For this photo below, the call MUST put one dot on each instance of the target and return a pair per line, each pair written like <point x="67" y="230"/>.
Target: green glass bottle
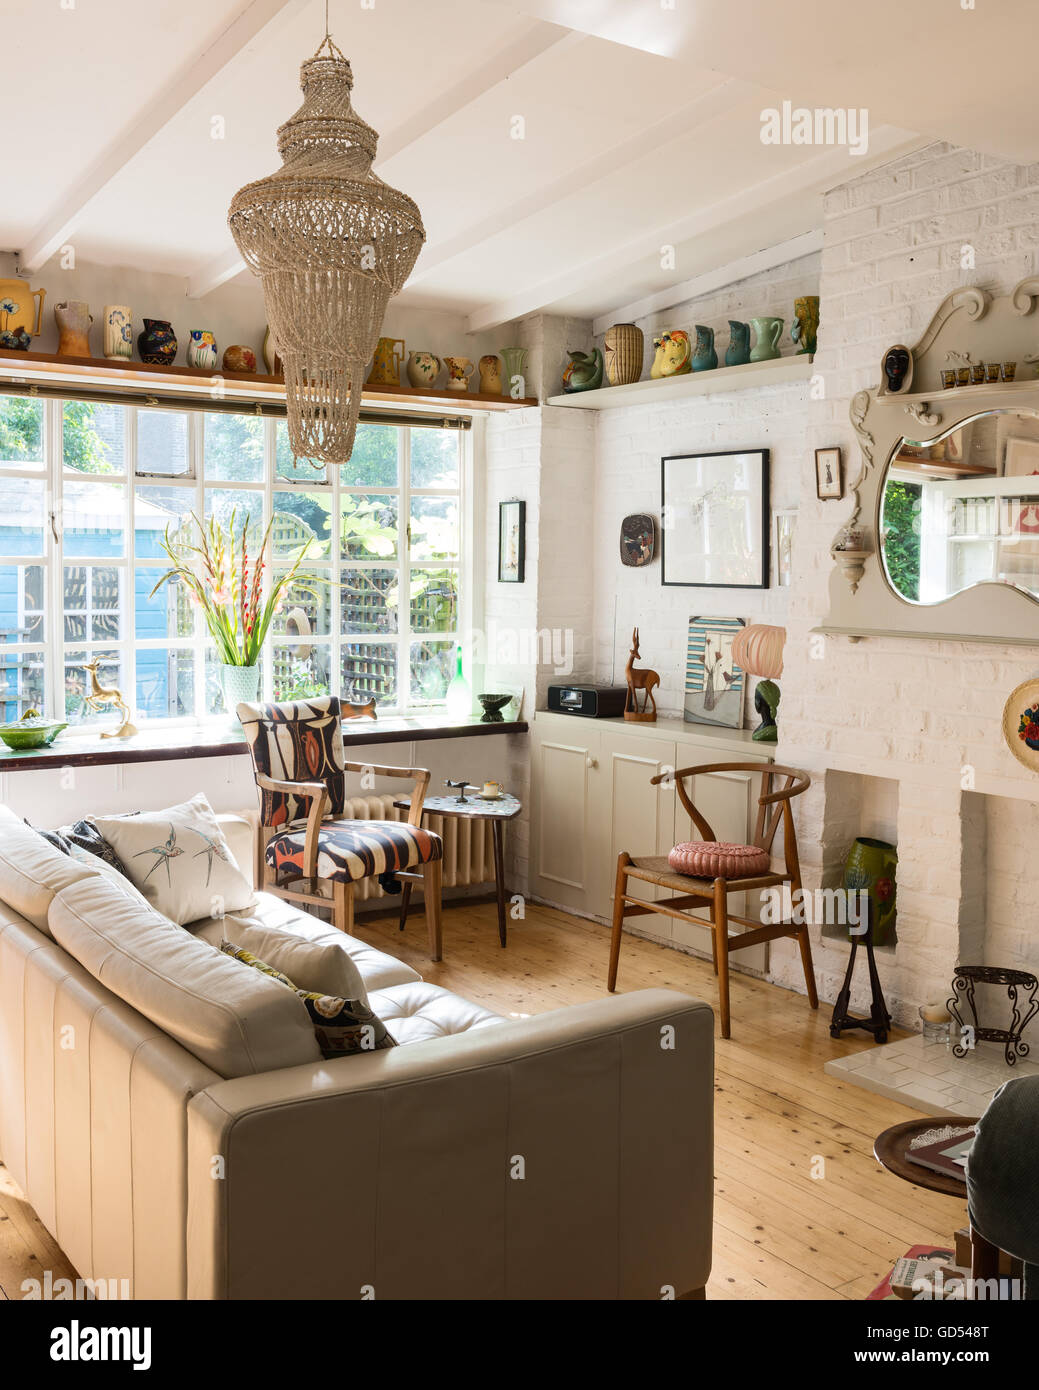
<point x="459" y="692"/>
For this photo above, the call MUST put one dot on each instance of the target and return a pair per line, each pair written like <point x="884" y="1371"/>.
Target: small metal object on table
<point x="497" y="810"/>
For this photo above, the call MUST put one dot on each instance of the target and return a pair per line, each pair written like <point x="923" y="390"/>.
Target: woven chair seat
<point x="656" y="869"/>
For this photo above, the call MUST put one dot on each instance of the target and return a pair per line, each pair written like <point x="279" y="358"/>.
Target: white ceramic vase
<point x="118" y="332"/>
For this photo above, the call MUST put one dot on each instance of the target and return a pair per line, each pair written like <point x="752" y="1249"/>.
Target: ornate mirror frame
<point x="969" y="327"/>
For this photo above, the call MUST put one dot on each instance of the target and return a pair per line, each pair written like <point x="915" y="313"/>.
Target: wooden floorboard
<point x="802" y="1209"/>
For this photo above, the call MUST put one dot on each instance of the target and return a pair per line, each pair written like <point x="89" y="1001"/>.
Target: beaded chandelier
<point x="331" y="242"/>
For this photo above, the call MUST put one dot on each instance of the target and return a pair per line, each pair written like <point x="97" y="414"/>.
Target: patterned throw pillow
<point x="87" y="836"/>
<point x="342" y="1027"/>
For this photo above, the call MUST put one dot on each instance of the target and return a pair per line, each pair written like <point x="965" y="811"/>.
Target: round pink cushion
<point x="714" y="859"/>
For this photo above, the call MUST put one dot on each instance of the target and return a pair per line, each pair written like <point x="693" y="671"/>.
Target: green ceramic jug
<point x="768" y="331"/>
<point x="871" y="866"/>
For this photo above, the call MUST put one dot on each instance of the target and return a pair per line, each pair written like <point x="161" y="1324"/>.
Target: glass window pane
<point x="434" y="528"/>
<point x="369" y="527"/>
<point x="94" y="603"/>
<point x="94" y="519"/>
<point x="93" y="437"/>
<point x="165" y="682"/>
<point x="21" y="684"/>
<point x="234" y="448"/>
<point x="300" y="517"/>
<point x="221" y="502"/>
<point x="155" y="508"/>
<point x="169" y="613"/>
<point x="368" y="601"/>
<point x="22" y="604"/>
<point x="306" y="607"/>
<point x="78" y="686"/>
<point x="286" y="466"/>
<point x="214" y="693"/>
<point x="21" y="432"/>
<point x="369" y="668"/>
<point x="434" y="458"/>
<point x="373" y="462"/>
<point x="162" y="443"/>
<point x="432" y="666"/>
<point x="434" y="600"/>
<point x="301" y="672"/>
<point x="21" y="517"/>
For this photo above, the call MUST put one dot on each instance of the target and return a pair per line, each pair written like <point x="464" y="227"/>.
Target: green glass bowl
<point x="31" y="731"/>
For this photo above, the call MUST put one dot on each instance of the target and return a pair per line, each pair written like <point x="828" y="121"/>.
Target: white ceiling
<point x="642" y="127"/>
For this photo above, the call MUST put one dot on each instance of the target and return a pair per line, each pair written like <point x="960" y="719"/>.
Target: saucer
<point x="498" y="796"/>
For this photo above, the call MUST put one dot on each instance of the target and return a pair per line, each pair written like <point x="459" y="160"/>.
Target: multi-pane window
<point x="89" y="489"/>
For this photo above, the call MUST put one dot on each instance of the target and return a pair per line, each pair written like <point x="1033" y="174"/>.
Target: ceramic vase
<point x="515" y="359"/>
<point x="767" y="331"/>
<point x="239" y="683"/>
<point x="423" y="369"/>
<point x="271" y="359"/>
<point x="201" y="349"/>
<point x="673" y="351"/>
<point x="584" y="372"/>
<point x="20" y="308"/>
<point x="73" y="319"/>
<point x="704" y="358"/>
<point x="239" y="358"/>
<point x="490" y="374"/>
<point x="117" y="327"/>
<point x="157" y="344"/>
<point x="871" y="867"/>
<point x="459" y="370"/>
<point x="806" y="328"/>
<point x="737" y="354"/>
<point x="386" y="362"/>
<point x="623" y="346"/>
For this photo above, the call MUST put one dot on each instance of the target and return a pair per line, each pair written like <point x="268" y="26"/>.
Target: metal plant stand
<point x="879" y="1021"/>
<point x="965" y="977"/>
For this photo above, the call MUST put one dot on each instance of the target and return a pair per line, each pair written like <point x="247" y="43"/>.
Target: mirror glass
<point x="962" y="508"/>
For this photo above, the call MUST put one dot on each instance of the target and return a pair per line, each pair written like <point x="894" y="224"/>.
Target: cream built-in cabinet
<point x="592" y="798"/>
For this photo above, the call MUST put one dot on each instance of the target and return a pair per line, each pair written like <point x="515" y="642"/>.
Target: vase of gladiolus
<point x="226" y="582"/>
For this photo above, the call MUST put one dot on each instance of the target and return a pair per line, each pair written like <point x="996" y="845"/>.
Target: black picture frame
<point x="511" y="513"/>
<point x="832" y="458"/>
<point x="669" y="521"/>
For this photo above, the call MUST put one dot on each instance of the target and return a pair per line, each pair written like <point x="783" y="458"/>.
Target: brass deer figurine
<point x="644" y="680"/>
<point x="103" y="695"/>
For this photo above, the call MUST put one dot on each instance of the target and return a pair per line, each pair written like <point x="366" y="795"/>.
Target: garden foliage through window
<point x="87" y="490"/>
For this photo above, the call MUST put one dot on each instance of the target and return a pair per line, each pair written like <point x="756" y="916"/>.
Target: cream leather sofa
<point x="173" y="1126"/>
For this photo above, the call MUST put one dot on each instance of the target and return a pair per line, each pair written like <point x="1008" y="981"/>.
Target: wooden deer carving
<point x="644" y="680"/>
<point x="103" y="695"/>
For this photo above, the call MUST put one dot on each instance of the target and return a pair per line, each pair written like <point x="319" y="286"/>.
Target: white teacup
<point x="492" y="790"/>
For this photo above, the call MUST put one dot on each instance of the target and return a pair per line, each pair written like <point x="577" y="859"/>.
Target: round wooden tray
<point x="890" y="1147"/>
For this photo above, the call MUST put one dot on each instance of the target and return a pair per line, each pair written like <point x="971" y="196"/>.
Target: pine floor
<point x="779" y="1232"/>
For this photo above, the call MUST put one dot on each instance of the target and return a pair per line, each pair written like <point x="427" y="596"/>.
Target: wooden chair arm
<point x="419" y="775"/>
<point x="317" y="794"/>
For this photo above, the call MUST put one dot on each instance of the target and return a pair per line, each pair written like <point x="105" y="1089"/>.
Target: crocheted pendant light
<point x="331" y="242"/>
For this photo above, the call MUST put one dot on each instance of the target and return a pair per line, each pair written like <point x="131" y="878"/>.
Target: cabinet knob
<point x="591" y="762"/>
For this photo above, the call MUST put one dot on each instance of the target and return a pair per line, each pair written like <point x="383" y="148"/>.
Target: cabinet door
<point x="636" y="816"/>
<point x="565" y="832"/>
<point x="729" y="802"/>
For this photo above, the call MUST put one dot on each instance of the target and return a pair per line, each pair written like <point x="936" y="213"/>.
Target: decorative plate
<point x="1021" y="724"/>
<point x="638" y="543"/>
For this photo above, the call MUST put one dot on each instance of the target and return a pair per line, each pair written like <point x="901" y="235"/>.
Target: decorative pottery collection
<point x="386" y="362"/>
<point x="737" y="354"/>
<point x="20" y="308"/>
<point x="117" y="332"/>
<point x="423" y="369"/>
<point x="238" y="358"/>
<point x="767" y="331"/>
<point x="871" y="866"/>
<point x="490" y="374"/>
<point x="673" y="351"/>
<point x="704" y="358"/>
<point x="157" y="344"/>
<point x="201" y="348"/>
<point x="623" y="346"/>
<point x="584" y="372"/>
<point x="459" y="370"/>
<point x="73" y="318"/>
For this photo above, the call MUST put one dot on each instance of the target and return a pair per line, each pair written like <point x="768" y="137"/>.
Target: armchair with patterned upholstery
<point x="300" y="769"/>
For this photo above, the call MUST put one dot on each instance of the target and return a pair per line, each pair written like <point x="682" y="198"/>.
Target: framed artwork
<point x="512" y="539"/>
<point x="713" y="681"/>
<point x="829" y="481"/>
<point x="714" y="531"/>
<point x="785" y="525"/>
<point x="638" y="539"/>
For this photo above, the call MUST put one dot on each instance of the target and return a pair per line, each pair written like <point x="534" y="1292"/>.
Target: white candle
<point x="935" y="1013"/>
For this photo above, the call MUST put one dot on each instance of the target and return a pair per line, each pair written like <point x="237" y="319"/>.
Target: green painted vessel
<point x="31" y="731"/>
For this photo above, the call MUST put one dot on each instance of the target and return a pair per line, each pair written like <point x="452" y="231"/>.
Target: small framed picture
<point x="829" y="482"/>
<point x="512" y="527"/>
<point x="783" y="546"/>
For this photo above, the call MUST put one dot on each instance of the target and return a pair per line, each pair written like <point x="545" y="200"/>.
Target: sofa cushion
<point x="311" y="965"/>
<point x="32" y="871"/>
<point x="377" y="969"/>
<point x="179" y="859"/>
<point x="234" y="1020"/>
<point x="419" y="1011"/>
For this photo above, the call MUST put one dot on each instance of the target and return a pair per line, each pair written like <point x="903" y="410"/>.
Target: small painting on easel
<point x="713" y="681"/>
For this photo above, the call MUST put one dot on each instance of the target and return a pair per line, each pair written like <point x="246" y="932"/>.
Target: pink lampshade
<point x="759" y="650"/>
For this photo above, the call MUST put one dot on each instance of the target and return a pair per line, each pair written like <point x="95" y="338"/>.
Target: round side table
<point x="474" y="807"/>
<point x="890" y="1147"/>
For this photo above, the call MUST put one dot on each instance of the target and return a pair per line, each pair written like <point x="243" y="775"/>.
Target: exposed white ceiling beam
<point x="811" y="176"/>
<point x="765" y="259"/>
<point x="59" y="226"/>
<point x="535" y="41"/>
<point x="678" y="121"/>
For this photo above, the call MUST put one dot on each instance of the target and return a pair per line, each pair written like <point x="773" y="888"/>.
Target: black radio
<point x="592" y="701"/>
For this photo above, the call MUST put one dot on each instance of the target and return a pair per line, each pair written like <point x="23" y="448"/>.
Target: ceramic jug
<point x="806" y="329"/>
<point x="17" y="309"/>
<point x="423" y="369"/>
<point x="515" y="359"/>
<point x="584" y="372"/>
<point x="622" y="349"/>
<point x="737" y="354"/>
<point x="157" y="344"/>
<point x="117" y="325"/>
<point x="459" y="370"/>
<point x="704" y="358"/>
<point x="201" y="348"/>
<point x="73" y="319"/>
<point x="768" y="331"/>
<point x="490" y="374"/>
<point x="386" y="362"/>
<point x="673" y="351"/>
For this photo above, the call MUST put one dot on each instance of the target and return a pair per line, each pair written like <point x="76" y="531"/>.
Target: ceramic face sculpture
<point x="673" y="351"/>
<point x="896" y="366"/>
